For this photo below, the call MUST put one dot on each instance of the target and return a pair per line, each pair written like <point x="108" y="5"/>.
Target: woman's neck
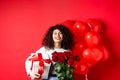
<point x="57" y="45"/>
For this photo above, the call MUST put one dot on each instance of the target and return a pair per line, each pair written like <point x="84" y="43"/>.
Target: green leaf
<point x="63" y="71"/>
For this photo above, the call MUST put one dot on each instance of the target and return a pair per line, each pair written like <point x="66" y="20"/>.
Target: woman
<point x="58" y="38"/>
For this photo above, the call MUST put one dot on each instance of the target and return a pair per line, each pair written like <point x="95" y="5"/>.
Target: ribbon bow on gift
<point x="41" y="62"/>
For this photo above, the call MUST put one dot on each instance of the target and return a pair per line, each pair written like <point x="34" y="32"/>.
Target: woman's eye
<point x="60" y="33"/>
<point x="55" y="33"/>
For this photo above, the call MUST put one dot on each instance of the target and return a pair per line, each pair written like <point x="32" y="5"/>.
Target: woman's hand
<point x="35" y="76"/>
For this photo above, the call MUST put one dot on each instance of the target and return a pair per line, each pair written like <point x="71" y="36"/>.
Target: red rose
<point x="54" y="56"/>
<point x="61" y="57"/>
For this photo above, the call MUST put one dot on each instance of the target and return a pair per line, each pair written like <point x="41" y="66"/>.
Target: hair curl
<point x="67" y="42"/>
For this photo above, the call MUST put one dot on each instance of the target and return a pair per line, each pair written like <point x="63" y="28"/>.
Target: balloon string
<point x="86" y="77"/>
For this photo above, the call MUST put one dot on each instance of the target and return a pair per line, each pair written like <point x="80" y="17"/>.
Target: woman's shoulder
<point x="41" y="49"/>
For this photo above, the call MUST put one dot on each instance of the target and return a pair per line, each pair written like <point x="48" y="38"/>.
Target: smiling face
<point x="57" y="36"/>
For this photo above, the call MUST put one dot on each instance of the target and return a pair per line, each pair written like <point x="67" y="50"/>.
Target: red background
<point x="24" y="22"/>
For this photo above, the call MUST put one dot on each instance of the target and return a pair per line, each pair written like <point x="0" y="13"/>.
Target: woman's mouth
<point x="57" y="38"/>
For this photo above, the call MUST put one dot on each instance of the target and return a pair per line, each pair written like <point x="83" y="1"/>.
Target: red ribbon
<point x="41" y="62"/>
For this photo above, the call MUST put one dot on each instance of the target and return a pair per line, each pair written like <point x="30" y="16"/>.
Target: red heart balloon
<point x="92" y="56"/>
<point x="80" y="28"/>
<point x="94" y="24"/>
<point x="80" y="67"/>
<point x="78" y="48"/>
<point x="106" y="54"/>
<point x="92" y="39"/>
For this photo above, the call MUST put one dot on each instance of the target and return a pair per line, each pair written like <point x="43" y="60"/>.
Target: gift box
<point x="39" y="65"/>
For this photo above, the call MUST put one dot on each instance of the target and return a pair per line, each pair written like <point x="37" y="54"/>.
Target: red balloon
<point x="80" y="28"/>
<point x="95" y="25"/>
<point x="92" y="56"/>
<point x="78" y="48"/>
<point x="80" y="67"/>
<point x="92" y="39"/>
<point x="106" y="54"/>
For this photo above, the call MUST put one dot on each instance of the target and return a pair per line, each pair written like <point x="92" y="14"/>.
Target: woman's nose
<point x="58" y="34"/>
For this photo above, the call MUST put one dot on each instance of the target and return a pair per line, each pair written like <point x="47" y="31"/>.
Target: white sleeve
<point x="41" y="50"/>
<point x="28" y="66"/>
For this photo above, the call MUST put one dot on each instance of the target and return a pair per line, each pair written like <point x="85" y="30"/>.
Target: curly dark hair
<point x="67" y="42"/>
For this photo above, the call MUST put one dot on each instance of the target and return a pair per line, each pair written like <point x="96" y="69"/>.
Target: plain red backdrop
<point x="24" y="22"/>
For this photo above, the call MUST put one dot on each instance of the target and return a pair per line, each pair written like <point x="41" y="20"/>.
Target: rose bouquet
<point x="63" y="65"/>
